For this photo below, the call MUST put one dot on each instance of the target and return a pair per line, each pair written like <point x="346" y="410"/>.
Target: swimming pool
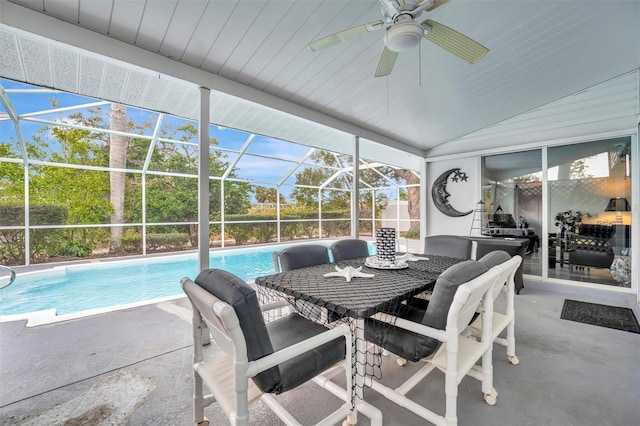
<point x="99" y="285"/>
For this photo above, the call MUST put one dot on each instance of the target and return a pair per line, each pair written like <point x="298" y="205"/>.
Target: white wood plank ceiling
<point x="154" y="54"/>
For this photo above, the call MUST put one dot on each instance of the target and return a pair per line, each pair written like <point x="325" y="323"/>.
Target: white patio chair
<point x="259" y="359"/>
<point x="436" y="336"/>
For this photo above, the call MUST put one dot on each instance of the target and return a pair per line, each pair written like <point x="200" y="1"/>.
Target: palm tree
<point x="117" y="159"/>
<point x="413" y="198"/>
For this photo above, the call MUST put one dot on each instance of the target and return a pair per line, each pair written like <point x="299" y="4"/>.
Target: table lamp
<point x="618" y="205"/>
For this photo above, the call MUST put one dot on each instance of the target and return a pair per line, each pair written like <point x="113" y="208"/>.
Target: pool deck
<point x="133" y="366"/>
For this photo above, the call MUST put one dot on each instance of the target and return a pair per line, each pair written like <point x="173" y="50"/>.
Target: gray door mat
<point x="602" y="315"/>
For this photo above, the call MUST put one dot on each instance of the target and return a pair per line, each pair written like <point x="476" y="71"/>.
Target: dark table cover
<point x="362" y="297"/>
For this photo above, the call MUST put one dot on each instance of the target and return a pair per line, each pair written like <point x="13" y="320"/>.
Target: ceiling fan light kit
<point x="403" y="36"/>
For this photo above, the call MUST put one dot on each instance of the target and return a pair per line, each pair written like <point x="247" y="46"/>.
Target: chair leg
<point x="511" y="344"/>
<point x="490" y="394"/>
<point x="198" y="404"/>
<point x="451" y="391"/>
<point x="511" y="333"/>
<point x="199" y="330"/>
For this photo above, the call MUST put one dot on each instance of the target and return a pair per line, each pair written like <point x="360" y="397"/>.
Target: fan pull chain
<point x="387" y="83"/>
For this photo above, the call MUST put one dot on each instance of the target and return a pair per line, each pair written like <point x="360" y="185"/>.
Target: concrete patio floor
<point x="134" y="367"/>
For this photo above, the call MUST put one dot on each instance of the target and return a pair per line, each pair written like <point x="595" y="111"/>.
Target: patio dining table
<point x="354" y="301"/>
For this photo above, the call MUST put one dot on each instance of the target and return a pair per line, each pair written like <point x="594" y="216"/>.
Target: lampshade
<point x="618" y="204"/>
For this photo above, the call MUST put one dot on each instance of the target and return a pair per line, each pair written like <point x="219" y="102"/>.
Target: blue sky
<point x="253" y="166"/>
<point x="257" y="168"/>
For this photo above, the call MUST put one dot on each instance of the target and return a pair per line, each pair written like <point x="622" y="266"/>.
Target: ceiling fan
<point x="403" y="32"/>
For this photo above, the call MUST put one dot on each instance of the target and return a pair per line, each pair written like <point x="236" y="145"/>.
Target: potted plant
<point x="568" y="221"/>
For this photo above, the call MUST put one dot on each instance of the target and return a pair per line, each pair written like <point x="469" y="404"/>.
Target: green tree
<point x="11" y="176"/>
<point x="266" y="195"/>
<point x="326" y="165"/>
<point x="175" y="198"/>
<point x="84" y="191"/>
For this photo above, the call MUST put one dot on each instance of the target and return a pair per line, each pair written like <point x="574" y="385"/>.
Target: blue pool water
<point x="105" y="284"/>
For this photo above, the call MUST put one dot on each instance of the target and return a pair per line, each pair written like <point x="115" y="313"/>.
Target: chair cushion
<point x="446" y="286"/>
<point x="243" y="299"/>
<point x="349" y="249"/>
<point x="415" y="347"/>
<point x="448" y="245"/>
<point x="495" y="258"/>
<point x="301" y="256"/>
<point x="292" y="329"/>
<point x="404" y="343"/>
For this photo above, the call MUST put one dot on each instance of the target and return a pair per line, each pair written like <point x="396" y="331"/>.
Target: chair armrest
<point x="293" y="351"/>
<point x="415" y="327"/>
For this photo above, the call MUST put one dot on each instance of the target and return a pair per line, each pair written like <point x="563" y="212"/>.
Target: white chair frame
<point x="228" y="376"/>
<point x="275" y="256"/>
<point x="458" y="354"/>
<point x="504" y="320"/>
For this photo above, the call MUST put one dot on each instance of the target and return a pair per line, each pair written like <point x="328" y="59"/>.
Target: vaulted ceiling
<point x="254" y="56"/>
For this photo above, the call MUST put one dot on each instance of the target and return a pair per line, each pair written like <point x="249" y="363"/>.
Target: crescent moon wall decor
<point x="441" y="196"/>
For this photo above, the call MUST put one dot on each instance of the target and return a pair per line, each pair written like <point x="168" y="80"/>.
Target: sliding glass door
<point x="588" y="196"/>
<point x="589" y="211"/>
<point x="512" y="193"/>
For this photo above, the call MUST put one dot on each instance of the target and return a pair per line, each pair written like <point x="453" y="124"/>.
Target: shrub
<point x="132" y="241"/>
<point x="167" y="241"/>
<point x="258" y="228"/>
<point x="412" y="234"/>
<point x="43" y="241"/>
<point x="76" y="248"/>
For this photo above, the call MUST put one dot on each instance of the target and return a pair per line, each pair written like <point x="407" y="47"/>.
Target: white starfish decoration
<point x="349" y="272"/>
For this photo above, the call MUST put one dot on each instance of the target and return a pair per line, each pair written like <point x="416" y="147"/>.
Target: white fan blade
<point x="436" y="3"/>
<point x="455" y="42"/>
<point x="344" y="35"/>
<point x="386" y="62"/>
